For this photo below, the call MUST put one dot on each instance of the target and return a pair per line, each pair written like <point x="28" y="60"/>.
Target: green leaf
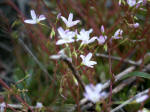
<point x="52" y="33"/>
<point x="138" y="74"/>
<point x="105" y="47"/>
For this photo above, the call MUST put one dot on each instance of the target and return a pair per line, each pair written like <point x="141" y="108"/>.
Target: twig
<point x="130" y="100"/>
<point x="120" y="59"/>
<point x="118" y="77"/>
<point x="123" y="84"/>
<point x="75" y="72"/>
<point x="16" y="106"/>
<point x="2" y="45"/>
<point x="17" y="96"/>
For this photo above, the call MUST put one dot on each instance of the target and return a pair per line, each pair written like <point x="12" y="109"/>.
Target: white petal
<point x="55" y="57"/>
<point x="92" y="39"/>
<point x="142" y="98"/>
<point x="90" y="66"/>
<point x="76" y="22"/>
<point x="98" y="87"/>
<point x="30" y="21"/>
<point x="33" y="15"/>
<point x="60" y="42"/>
<point x="92" y="62"/>
<point x="61" y="31"/>
<point x="42" y="17"/>
<point x="82" y="56"/>
<point x="89" y="56"/>
<point x="90" y="30"/>
<point x="64" y="20"/>
<point x="70" y="17"/>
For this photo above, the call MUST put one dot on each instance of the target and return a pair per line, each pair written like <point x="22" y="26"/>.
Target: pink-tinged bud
<point x="136" y="25"/>
<point x="102" y="29"/>
<point x="58" y="15"/>
<point x="119" y="2"/>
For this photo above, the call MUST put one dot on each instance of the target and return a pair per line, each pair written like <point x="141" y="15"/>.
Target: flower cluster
<point x="132" y="3"/>
<point x="67" y="36"/>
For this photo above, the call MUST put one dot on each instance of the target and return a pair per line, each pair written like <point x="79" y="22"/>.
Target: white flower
<point x="2" y="105"/>
<point x="39" y="105"/>
<point x="101" y="39"/>
<point x="84" y="36"/>
<point x="66" y="36"/>
<point x="118" y="34"/>
<point x="131" y="3"/>
<point x="142" y="98"/>
<point x="86" y="60"/>
<point x="34" y="19"/>
<point x="93" y="93"/>
<point x="69" y="23"/>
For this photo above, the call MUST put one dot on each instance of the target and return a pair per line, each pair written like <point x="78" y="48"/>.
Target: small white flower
<point x="93" y="93"/>
<point x="69" y="23"/>
<point x="142" y="98"/>
<point x="84" y="36"/>
<point x="66" y="36"/>
<point x="131" y="3"/>
<point x="86" y="60"/>
<point x="34" y="19"/>
<point x="39" y="105"/>
<point x="101" y="39"/>
<point x="118" y="34"/>
<point x="2" y="105"/>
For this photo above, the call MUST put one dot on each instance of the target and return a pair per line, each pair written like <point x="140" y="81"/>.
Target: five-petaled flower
<point x="118" y="34"/>
<point x="101" y="39"/>
<point x="86" y="60"/>
<point x="69" y="23"/>
<point x="84" y="36"/>
<point x="94" y="93"/>
<point x="66" y="36"/>
<point x="35" y="19"/>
